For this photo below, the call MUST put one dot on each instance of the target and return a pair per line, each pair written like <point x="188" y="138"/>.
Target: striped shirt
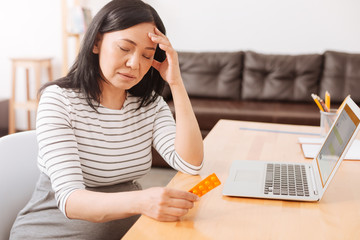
<point x="80" y="147"/>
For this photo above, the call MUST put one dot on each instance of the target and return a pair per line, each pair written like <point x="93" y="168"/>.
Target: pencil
<point x="327" y="99"/>
<point x="326" y="109"/>
<point x="317" y="102"/>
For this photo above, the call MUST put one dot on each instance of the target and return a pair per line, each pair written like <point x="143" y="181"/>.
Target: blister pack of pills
<point x="206" y="185"/>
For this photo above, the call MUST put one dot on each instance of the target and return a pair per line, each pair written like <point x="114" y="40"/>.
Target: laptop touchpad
<point x="247" y="176"/>
<point x="248" y="181"/>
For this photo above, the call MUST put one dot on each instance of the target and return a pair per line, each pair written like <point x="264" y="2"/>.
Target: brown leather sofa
<point x="259" y="87"/>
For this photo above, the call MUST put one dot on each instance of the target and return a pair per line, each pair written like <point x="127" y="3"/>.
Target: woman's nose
<point x="133" y="61"/>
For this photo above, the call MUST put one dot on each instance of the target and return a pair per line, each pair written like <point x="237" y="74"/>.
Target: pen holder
<point x="326" y="121"/>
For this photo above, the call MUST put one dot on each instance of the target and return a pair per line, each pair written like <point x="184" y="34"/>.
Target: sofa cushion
<point x="211" y="74"/>
<point x="341" y="76"/>
<point x="280" y="77"/>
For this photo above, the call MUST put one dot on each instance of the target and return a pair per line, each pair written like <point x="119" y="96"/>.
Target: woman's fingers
<point x="159" y="35"/>
<point x="178" y="194"/>
<point x="168" y="69"/>
<point x="164" y="43"/>
<point x="168" y="218"/>
<point x="159" y="38"/>
<point x="169" y="204"/>
<point x="177" y="212"/>
<point x="157" y="31"/>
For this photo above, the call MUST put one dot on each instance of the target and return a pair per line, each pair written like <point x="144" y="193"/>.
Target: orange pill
<point x="209" y="183"/>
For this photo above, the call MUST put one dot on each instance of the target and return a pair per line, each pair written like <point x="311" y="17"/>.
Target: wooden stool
<point x="30" y="104"/>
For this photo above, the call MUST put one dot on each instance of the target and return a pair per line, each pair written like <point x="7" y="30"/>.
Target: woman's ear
<point x="96" y="47"/>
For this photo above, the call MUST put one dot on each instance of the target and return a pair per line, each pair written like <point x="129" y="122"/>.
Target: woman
<point x="95" y="128"/>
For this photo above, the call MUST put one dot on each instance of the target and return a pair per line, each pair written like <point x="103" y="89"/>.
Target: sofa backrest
<point x="271" y="77"/>
<point x="280" y="77"/>
<point x="211" y="74"/>
<point x="341" y="76"/>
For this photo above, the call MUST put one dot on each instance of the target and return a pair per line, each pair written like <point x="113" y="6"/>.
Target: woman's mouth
<point x="127" y="76"/>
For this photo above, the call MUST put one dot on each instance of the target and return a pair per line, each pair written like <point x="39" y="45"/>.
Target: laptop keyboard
<point x="286" y="179"/>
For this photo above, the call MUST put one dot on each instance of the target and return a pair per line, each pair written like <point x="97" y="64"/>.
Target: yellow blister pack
<point x="206" y="185"/>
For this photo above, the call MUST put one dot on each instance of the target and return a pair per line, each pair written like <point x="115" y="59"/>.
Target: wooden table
<point x="336" y="216"/>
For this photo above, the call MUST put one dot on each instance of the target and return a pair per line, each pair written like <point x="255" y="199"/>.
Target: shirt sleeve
<point x="164" y="140"/>
<point x="58" y="151"/>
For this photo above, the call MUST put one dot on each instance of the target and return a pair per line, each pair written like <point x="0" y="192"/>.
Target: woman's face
<point x="125" y="56"/>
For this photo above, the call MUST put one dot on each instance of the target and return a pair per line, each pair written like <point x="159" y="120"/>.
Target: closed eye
<point x="147" y="57"/>
<point x="124" y="49"/>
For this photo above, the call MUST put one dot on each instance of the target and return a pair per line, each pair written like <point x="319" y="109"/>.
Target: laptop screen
<point x="336" y="142"/>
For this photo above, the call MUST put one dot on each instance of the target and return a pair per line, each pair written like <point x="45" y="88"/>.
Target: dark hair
<point x="85" y="72"/>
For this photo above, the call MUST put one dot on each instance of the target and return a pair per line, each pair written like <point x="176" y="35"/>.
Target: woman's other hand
<point x="166" y="204"/>
<point x="169" y="68"/>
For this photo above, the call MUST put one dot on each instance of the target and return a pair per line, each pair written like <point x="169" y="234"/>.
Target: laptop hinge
<point x="313" y="180"/>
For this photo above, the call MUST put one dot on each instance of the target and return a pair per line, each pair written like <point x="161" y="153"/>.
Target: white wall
<point x="33" y="27"/>
<point x="28" y="28"/>
<point x="270" y="26"/>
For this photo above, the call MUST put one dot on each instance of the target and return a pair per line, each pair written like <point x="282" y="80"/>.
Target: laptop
<point x="297" y="181"/>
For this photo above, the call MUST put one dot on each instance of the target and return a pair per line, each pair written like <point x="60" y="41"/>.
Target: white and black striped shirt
<point x="80" y="147"/>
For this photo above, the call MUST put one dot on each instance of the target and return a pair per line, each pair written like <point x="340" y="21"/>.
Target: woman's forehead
<point x="137" y="33"/>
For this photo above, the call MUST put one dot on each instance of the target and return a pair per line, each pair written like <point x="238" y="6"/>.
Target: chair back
<point x="18" y="176"/>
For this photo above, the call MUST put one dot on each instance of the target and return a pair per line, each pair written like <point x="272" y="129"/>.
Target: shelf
<point x="66" y="35"/>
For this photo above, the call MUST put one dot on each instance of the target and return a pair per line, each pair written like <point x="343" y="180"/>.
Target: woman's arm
<point x="162" y="204"/>
<point x="188" y="140"/>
